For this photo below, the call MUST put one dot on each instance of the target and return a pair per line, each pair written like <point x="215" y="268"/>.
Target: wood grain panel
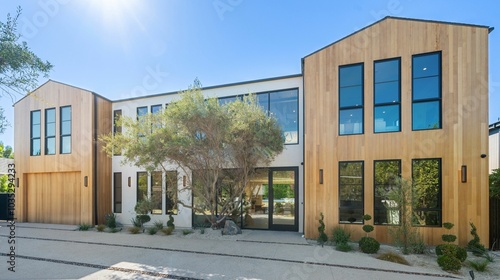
<point x="461" y="141"/>
<point x="104" y="169"/>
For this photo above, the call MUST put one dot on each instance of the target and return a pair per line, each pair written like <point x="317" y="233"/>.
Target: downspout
<point x="303" y="150"/>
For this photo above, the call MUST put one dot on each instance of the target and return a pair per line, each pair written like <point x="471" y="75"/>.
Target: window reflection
<point x="426" y="91"/>
<point x="351" y="99"/>
<point x="387" y="96"/>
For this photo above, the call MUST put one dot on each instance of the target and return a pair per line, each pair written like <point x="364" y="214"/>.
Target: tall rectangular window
<point x="171" y="192"/>
<point x="387" y="95"/>
<point x="351" y="208"/>
<point x="141" y="111"/>
<point x="426" y="175"/>
<point x="156" y="192"/>
<point x="50" y="131"/>
<point x="426" y="91"/>
<point x="117" y="128"/>
<point x="284" y="106"/>
<point x="117" y="192"/>
<point x="142" y="185"/>
<point x="386" y="173"/>
<point x="155" y="109"/>
<point x="35" y="133"/>
<point x="65" y="139"/>
<point x="351" y="97"/>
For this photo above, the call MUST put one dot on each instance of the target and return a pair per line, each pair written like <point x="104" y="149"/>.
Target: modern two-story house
<point x="401" y="98"/>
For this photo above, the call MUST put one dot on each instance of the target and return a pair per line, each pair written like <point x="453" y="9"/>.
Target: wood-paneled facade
<point x="72" y="188"/>
<point x="461" y="140"/>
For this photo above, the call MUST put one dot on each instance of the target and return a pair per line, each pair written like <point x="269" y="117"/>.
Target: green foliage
<point x="170" y="222"/>
<point x="187" y="231"/>
<point x="449" y="263"/>
<point x="367" y="217"/>
<point x="101" y="228"/>
<point x="4" y="184"/>
<point x="449" y="238"/>
<point x="152" y="230"/>
<point x="452" y="250"/>
<point x="168" y="230"/>
<point x="198" y="133"/>
<point x="369" y="245"/>
<point x="340" y="235"/>
<point x="393" y="257"/>
<point x="202" y="230"/>
<point x="343" y="247"/>
<point x="425" y="191"/>
<point x="84" y="227"/>
<point x="111" y="220"/>
<point x="136" y="222"/>
<point x="115" y="230"/>
<point x="5" y="151"/>
<point x="323" y="238"/>
<point x="158" y="225"/>
<point x="495" y="184"/>
<point x="478" y="265"/>
<point x="134" y="230"/>
<point x="368" y="228"/>
<point x="448" y="225"/>
<point x="475" y="245"/>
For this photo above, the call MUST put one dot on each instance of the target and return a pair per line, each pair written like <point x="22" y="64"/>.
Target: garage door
<point x="54" y="198"/>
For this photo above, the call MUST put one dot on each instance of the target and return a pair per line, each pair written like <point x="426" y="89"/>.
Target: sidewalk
<point x="61" y="252"/>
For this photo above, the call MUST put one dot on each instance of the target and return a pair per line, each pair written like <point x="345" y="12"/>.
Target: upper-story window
<point x="50" y="131"/>
<point x="117" y="128"/>
<point x="426" y="91"/>
<point x="35" y="133"/>
<point x="65" y="140"/>
<point x="141" y="111"/>
<point x="155" y="109"/>
<point x="351" y="99"/>
<point x="387" y="95"/>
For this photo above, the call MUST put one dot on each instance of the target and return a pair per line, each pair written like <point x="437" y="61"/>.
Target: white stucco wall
<point x="494" y="151"/>
<point x="292" y="155"/>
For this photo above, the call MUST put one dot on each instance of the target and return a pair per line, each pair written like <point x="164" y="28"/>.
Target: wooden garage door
<point x="54" y="198"/>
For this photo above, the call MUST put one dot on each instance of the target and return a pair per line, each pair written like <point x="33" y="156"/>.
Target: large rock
<point x="230" y="228"/>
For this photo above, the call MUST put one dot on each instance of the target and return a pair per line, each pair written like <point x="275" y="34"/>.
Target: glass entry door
<point x="270" y="200"/>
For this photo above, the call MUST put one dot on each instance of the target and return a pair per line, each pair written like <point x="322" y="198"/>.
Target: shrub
<point x="449" y="238"/>
<point x="479" y="265"/>
<point x="100" y="228"/>
<point x="187" y="231"/>
<point x="142" y="219"/>
<point x="448" y="225"/>
<point x="114" y="230"/>
<point x="158" y="225"/>
<point x="110" y="220"/>
<point x="202" y="230"/>
<point x="475" y="245"/>
<point x="152" y="230"/>
<point x="449" y="263"/>
<point x="369" y="245"/>
<point x="340" y="235"/>
<point x="170" y="222"/>
<point x="323" y="238"/>
<point x="452" y="250"/>
<point x="135" y="222"/>
<point x="134" y="230"/>
<point x="84" y="227"/>
<point x="393" y="257"/>
<point x="368" y="228"/>
<point x="167" y="231"/>
<point x="343" y="247"/>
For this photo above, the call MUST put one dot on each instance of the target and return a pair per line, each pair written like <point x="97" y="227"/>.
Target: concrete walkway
<point x="45" y="251"/>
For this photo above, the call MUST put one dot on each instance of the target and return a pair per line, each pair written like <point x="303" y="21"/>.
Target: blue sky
<point x="124" y="48"/>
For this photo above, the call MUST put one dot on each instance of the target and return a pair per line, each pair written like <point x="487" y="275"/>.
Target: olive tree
<point x="205" y="139"/>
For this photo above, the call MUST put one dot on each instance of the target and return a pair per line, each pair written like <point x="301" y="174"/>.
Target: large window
<point x="387" y="97"/>
<point x="65" y="141"/>
<point x="351" y="192"/>
<point x="141" y="111"/>
<point x="171" y="192"/>
<point x="117" y="192"/>
<point x="50" y="131"/>
<point x="427" y="192"/>
<point x="156" y="191"/>
<point x="117" y="128"/>
<point x="284" y="106"/>
<point x="386" y="173"/>
<point x="35" y="133"/>
<point x="142" y="185"/>
<point x="351" y="99"/>
<point x="155" y="109"/>
<point x="426" y="89"/>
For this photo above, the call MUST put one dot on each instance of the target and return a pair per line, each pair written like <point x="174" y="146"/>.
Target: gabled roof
<point x="490" y="29"/>
<point x="52" y="81"/>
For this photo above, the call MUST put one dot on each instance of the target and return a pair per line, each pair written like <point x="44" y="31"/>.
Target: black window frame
<point x="439" y="208"/>
<point x="375" y="105"/>
<point x="345" y="108"/>
<point x="152" y="192"/>
<point x="375" y="219"/>
<point x="116" y="128"/>
<point x="428" y="100"/>
<point x="141" y="173"/>
<point x="171" y="181"/>
<point x="61" y="130"/>
<point x="362" y="203"/>
<point x="117" y="188"/>
<point x="47" y="137"/>
<point x="33" y="137"/>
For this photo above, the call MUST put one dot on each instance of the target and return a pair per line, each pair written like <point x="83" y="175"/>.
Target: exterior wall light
<point x="129" y="181"/>
<point x="321" y="176"/>
<point x="464" y="174"/>
<point x="184" y="181"/>
<point x="86" y="181"/>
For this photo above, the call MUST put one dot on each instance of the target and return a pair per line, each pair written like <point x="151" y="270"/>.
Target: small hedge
<point x="369" y="245"/>
<point x="449" y="263"/>
<point x="452" y="250"/>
